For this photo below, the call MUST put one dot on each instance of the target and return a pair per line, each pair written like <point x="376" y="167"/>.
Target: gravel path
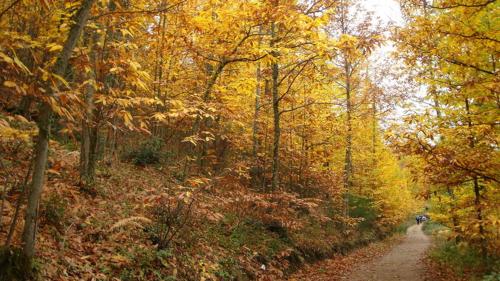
<point x="402" y="263"/>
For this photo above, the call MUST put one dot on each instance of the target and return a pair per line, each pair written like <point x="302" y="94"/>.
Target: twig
<point x="9" y="7"/>
<point x="3" y="195"/>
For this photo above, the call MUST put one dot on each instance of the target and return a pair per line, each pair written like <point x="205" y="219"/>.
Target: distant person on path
<point x="421" y="218"/>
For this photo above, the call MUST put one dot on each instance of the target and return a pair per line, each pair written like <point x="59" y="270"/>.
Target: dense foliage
<point x="452" y="49"/>
<point x="257" y="130"/>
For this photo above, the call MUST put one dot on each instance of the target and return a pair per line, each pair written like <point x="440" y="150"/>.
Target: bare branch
<point x="156" y="11"/>
<point x="9" y="7"/>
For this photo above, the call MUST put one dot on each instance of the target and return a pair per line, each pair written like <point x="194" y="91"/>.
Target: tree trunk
<point x="477" y="192"/>
<point x="158" y="69"/>
<point x="276" y="114"/>
<point x="41" y="152"/>
<point x="454" y="218"/>
<point x="213" y="76"/>
<point x="348" y="149"/>
<point x="255" y="127"/>
<point x="479" y="216"/>
<point x="374" y="140"/>
<point x="86" y="147"/>
<point x="257" y="172"/>
<point x="93" y="152"/>
<point x="42" y="145"/>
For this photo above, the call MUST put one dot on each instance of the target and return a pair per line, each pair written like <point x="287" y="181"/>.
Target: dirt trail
<point x="402" y="263"/>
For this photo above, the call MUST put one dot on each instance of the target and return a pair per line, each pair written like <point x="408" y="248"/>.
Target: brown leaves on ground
<point x="439" y="272"/>
<point x="102" y="235"/>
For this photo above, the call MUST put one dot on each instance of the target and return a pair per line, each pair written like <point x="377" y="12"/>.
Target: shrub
<point x="229" y="269"/>
<point x="151" y="265"/>
<point x="432" y="227"/>
<point x="465" y="260"/>
<point x="148" y="153"/>
<point x="495" y="276"/>
<point x="362" y="207"/>
<point x="169" y="217"/>
<point x="54" y="210"/>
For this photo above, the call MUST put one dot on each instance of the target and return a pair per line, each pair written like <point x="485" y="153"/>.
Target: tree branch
<point x="156" y="11"/>
<point x="460" y="5"/>
<point x="9" y="7"/>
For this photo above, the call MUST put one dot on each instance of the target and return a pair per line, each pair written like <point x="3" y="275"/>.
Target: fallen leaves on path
<point x="340" y="266"/>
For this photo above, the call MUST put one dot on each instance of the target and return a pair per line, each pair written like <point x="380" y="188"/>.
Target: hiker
<point x="418" y="218"/>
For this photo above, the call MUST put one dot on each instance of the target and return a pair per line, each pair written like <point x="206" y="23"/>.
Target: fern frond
<point x="135" y="221"/>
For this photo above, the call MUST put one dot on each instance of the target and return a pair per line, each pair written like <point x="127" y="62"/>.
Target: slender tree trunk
<point x="348" y="149"/>
<point x="454" y="218"/>
<point x="266" y="144"/>
<point x="479" y="216"/>
<point x="84" y="149"/>
<point x="374" y="139"/>
<point x="160" y="64"/>
<point x="88" y="149"/>
<point x="159" y="48"/>
<point x="374" y="127"/>
<point x="291" y="163"/>
<point x="41" y="152"/>
<point x="93" y="152"/>
<point x="257" y="170"/>
<point x="276" y="114"/>
<point x="255" y="129"/>
<point x="93" y="114"/>
<point x="213" y="76"/>
<point x="44" y="119"/>
<point x="158" y="70"/>
<point x="477" y="191"/>
<point x="86" y="173"/>
<point x="90" y="131"/>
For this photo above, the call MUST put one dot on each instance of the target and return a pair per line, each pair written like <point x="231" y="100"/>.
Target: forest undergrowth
<point x="226" y="231"/>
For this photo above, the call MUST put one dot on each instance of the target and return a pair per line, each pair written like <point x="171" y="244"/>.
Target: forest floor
<point x="393" y="259"/>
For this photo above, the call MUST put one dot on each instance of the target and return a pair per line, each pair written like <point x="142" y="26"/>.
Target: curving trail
<point x="402" y="263"/>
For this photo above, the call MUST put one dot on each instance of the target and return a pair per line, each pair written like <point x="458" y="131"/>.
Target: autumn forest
<point x="249" y="140"/>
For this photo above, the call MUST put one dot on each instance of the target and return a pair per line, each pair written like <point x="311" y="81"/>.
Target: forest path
<point x="401" y="263"/>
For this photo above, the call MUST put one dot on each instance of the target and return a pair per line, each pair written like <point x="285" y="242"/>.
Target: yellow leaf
<point x="127" y="119"/>
<point x="9" y="84"/>
<point x="54" y="47"/>
<point x="6" y="58"/>
<point x="119" y="259"/>
<point x="60" y="78"/>
<point x="159" y="116"/>
<point x="116" y="69"/>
